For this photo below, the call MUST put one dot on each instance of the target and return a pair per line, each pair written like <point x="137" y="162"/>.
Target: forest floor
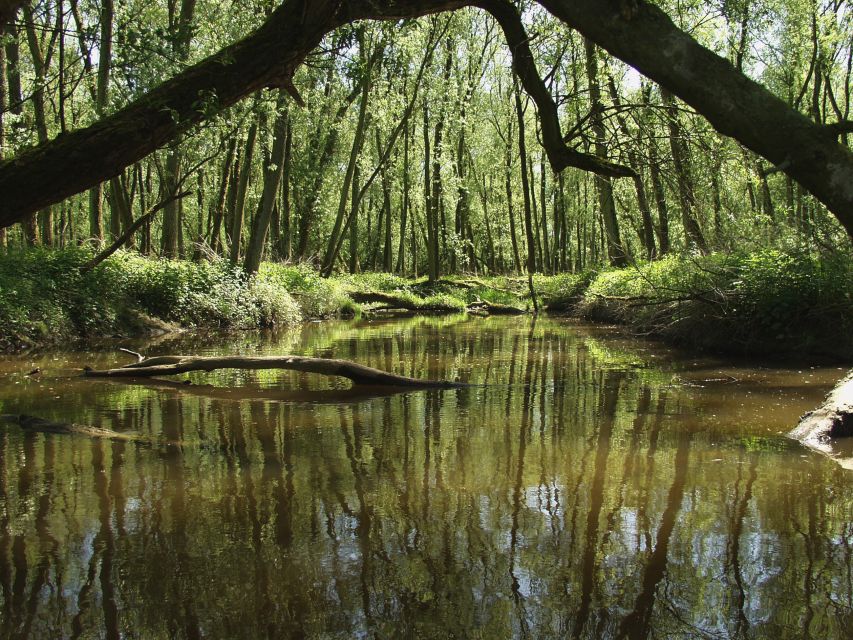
<point x="770" y="303"/>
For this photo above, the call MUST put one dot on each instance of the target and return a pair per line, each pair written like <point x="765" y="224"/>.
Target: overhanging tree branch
<point x="560" y="155"/>
<point x="268" y="57"/>
<point x="636" y="31"/>
<point x="642" y="35"/>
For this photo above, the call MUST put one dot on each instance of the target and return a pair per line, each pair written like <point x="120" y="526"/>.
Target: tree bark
<point x="3" y="107"/>
<point x="8" y="9"/>
<point x="242" y="190"/>
<point x="647" y="231"/>
<point x="683" y="175"/>
<point x="603" y="185"/>
<point x="358" y="141"/>
<point x="96" y="194"/>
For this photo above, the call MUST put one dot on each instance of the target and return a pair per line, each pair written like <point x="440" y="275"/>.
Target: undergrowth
<point x="786" y="303"/>
<point x="772" y="302"/>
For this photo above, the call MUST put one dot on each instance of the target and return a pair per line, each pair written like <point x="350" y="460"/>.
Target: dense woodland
<point x="412" y="147"/>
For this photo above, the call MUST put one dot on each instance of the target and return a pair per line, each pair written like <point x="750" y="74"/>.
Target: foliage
<point x="562" y="292"/>
<point x="44" y="295"/>
<point x="318" y="297"/>
<point x="455" y="169"/>
<point x="769" y="301"/>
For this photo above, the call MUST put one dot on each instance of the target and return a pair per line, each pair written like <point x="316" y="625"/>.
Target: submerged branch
<point x="358" y="373"/>
<point x="39" y="425"/>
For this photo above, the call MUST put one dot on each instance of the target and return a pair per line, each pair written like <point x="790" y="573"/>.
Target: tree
<point x="271" y="55"/>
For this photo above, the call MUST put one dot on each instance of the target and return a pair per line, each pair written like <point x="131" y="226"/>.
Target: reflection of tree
<point x="637" y="624"/>
<point x="742" y="498"/>
<point x="565" y="497"/>
<point x="604" y="431"/>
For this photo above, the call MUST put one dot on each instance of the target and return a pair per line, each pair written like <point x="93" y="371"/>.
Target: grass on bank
<point x="774" y="302"/>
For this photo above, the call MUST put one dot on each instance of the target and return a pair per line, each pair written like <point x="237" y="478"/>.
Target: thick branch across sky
<point x="635" y="31"/>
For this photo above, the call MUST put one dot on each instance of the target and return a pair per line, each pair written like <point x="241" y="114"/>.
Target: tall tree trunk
<point x="285" y="246"/>
<point x="525" y="188"/>
<point x="122" y="214"/>
<point x="180" y="30"/>
<point x="38" y="57"/>
<point x="3" y="106"/>
<point x="96" y="194"/>
<point x="404" y="209"/>
<point x="387" y="249"/>
<point x="681" y="162"/>
<point x="603" y="184"/>
<point x="273" y="166"/>
<point x="660" y="198"/>
<point x="355" y="150"/>
<point x="354" y="265"/>
<point x="525" y="183"/>
<point x="716" y="170"/>
<point x="324" y="149"/>
<point x="243" y="188"/>
<point x="170" y="236"/>
<point x="429" y="208"/>
<point x="214" y="235"/>
<point x="15" y="97"/>
<point x="513" y="234"/>
<point x="548" y="267"/>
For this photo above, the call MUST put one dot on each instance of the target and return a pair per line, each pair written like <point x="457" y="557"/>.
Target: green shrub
<point x="769" y="301"/>
<point x="44" y="295"/>
<point x="318" y="297"/>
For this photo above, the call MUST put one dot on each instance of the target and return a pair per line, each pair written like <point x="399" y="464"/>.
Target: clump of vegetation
<point x="564" y="291"/>
<point x="771" y="301"/>
<point x="46" y="296"/>
<point x="318" y="297"/>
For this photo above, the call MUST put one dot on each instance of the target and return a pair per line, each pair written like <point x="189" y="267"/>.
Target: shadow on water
<point x="585" y="486"/>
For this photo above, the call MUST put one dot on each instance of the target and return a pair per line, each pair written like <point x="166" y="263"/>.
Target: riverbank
<point x="769" y="303"/>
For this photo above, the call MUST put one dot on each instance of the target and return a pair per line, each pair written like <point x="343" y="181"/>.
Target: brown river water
<point x="585" y="485"/>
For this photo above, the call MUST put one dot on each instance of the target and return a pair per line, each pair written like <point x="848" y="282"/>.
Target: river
<point x="586" y="485"/>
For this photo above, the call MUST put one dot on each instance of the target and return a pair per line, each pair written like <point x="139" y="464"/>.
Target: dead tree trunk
<point x="832" y="420"/>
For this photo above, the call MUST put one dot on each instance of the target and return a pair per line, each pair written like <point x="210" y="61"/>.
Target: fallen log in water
<point x="31" y="423"/>
<point x="358" y="373"/>
<point x="394" y="302"/>
<point x="821" y="429"/>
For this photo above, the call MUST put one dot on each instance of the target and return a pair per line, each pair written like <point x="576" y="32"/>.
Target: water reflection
<point x="578" y="489"/>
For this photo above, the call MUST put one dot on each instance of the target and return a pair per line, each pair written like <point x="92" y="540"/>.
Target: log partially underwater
<point x="39" y="425"/>
<point x="358" y="373"/>
<point x="395" y="302"/>
<point x="823" y="428"/>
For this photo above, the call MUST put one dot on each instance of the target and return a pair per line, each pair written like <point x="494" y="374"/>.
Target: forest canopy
<point x="425" y="135"/>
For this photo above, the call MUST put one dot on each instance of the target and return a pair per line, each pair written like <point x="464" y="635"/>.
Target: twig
<point x="139" y="356"/>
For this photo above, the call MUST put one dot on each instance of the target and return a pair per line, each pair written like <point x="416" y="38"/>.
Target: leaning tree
<point x="636" y="31"/>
